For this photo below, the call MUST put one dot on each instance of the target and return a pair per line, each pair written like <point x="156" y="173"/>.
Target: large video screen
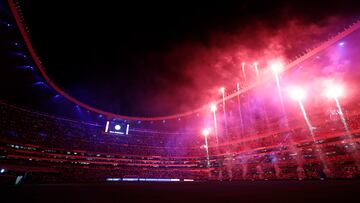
<point x="116" y="127"/>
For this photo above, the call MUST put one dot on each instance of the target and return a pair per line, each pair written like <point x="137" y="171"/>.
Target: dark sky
<point x="145" y="58"/>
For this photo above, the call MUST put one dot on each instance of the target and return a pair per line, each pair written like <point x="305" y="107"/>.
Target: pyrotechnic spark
<point x="334" y="92"/>
<point x="311" y="128"/>
<point x="342" y="117"/>
<point x="243" y="70"/>
<point x="257" y="71"/>
<point x="224" y="108"/>
<point x="206" y="133"/>
<point x="279" y="92"/>
<point x="213" y="109"/>
<point x="276" y="67"/>
<point x="239" y="108"/>
<point x="297" y="93"/>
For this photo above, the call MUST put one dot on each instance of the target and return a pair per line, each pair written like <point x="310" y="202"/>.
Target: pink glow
<point x="297" y="93"/>
<point x="205" y="132"/>
<point x="334" y="91"/>
<point x="213" y="107"/>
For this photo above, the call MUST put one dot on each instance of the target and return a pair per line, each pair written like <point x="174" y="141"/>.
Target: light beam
<point x="222" y="90"/>
<point x="257" y="71"/>
<point x="243" y="70"/>
<point x="213" y="109"/>
<point x="206" y="133"/>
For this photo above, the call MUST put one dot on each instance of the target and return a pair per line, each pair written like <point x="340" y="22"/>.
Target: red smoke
<point x="203" y="67"/>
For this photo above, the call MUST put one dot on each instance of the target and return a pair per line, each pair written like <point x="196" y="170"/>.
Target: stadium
<point x="286" y="123"/>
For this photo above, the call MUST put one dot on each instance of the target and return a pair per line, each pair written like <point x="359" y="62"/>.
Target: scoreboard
<point x="116" y="127"/>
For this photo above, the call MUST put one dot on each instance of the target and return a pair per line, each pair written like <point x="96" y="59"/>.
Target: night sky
<point x="149" y="59"/>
